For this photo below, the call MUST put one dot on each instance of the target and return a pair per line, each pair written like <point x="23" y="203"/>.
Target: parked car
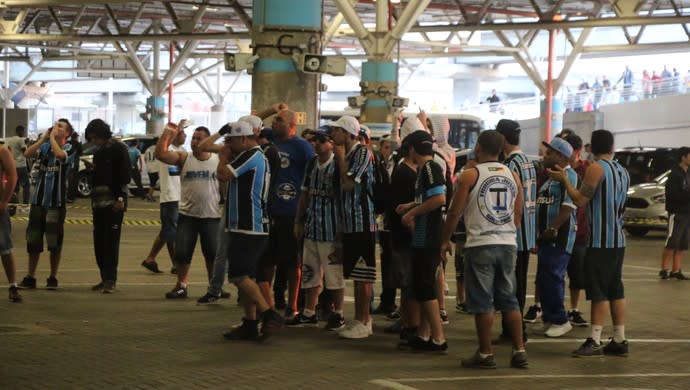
<point x="646" y="163"/>
<point x="86" y="165"/>
<point x="645" y="208"/>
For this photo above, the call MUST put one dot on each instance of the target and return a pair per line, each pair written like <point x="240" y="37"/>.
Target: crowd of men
<point x="274" y="211"/>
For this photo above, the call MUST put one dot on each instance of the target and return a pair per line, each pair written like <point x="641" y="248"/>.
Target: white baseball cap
<point x="347" y="123"/>
<point x="240" y="128"/>
<point x="253" y="120"/>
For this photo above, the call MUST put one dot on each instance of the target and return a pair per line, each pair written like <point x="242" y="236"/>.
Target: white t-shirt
<point x="489" y="218"/>
<point x="16" y="145"/>
<point x="200" y="197"/>
<point x="169" y="176"/>
<point x="150" y="159"/>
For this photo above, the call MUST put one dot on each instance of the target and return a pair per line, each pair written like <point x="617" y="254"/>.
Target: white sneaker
<point x="546" y="327"/>
<point x="558" y="330"/>
<point x="356" y="330"/>
<point x="370" y="326"/>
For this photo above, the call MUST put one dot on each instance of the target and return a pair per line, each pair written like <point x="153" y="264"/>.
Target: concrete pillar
<point x="218" y="118"/>
<point x="280" y="30"/>
<point x="557" y="111"/>
<point x="155" y="106"/>
<point x="379" y="84"/>
<point x="465" y="92"/>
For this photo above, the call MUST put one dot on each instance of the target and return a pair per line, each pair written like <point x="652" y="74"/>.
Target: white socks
<point x="619" y="333"/>
<point x="596" y="333"/>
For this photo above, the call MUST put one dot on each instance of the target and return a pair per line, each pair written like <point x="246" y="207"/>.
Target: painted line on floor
<point x="579" y="341"/>
<point x="397" y="383"/>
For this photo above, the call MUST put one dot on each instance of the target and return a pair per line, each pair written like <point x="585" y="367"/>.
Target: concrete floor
<point x="75" y="338"/>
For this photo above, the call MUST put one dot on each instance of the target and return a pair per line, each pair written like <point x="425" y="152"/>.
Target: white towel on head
<point x="440" y="128"/>
<point x="410" y="125"/>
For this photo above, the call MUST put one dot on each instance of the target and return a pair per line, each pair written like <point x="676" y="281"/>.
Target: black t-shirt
<point x="401" y="191"/>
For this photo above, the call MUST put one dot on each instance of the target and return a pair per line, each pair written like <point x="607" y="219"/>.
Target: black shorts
<point x="153" y="179"/>
<point x="359" y="261"/>
<point x="425" y="262"/>
<point x="244" y="251"/>
<point x="282" y="248"/>
<point x="604" y="274"/>
<point x="48" y="222"/>
<point x="678" y="232"/>
<point x="576" y="267"/>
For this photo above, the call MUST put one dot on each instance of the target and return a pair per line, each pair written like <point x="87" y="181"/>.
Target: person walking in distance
<point x="199" y="208"/>
<point x="678" y="207"/>
<point x="17" y="146"/>
<point x="136" y="161"/>
<point x="169" y="176"/>
<point x="151" y="168"/>
<point x="111" y="177"/>
<point x="604" y="190"/>
<point x="490" y="197"/>
<point x="48" y="202"/>
<point x="8" y="179"/>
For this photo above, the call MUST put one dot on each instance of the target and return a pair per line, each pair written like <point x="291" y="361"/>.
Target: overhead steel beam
<point x="530" y="71"/>
<point x="572" y="57"/>
<point x="640" y="47"/>
<point x="412" y="10"/>
<point x="209" y="36"/>
<point x="43" y="3"/>
<point x="191" y="77"/>
<point x="364" y="36"/>
<point x="567" y="24"/>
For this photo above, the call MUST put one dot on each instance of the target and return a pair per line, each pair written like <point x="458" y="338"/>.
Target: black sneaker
<point x="335" y="322"/>
<point x="224" y="294"/>
<point x="419" y="345"/>
<point x="207" y="299"/>
<point x="392" y="316"/>
<point x="289" y="313"/>
<point x="381" y="309"/>
<point x="477" y="361"/>
<point x="575" y="318"/>
<point x="519" y="360"/>
<point x="248" y="330"/>
<point x="300" y="320"/>
<point x="52" y="283"/>
<point x="395" y="328"/>
<point x="108" y="287"/>
<point x="444" y="317"/>
<point x="97" y="287"/>
<point x="271" y="321"/>
<point x="173" y="270"/>
<point x="589" y="349"/>
<point x="29" y="282"/>
<point x="616" y="349"/>
<point x="533" y="314"/>
<point x="177" y="293"/>
<point x="461" y="308"/>
<point x="152" y="266"/>
<point x="14" y="294"/>
<point x="663" y="274"/>
<point x="677" y="275"/>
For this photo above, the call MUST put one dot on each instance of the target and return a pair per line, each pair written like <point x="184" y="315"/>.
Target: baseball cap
<point x="239" y="129"/>
<point x="560" y="145"/>
<point x="510" y="129"/>
<point x="253" y="120"/>
<point x="422" y="142"/>
<point x="364" y="131"/>
<point x="347" y="123"/>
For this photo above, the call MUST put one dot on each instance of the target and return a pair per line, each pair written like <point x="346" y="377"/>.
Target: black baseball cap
<point x="422" y="142"/>
<point x="510" y="129"/>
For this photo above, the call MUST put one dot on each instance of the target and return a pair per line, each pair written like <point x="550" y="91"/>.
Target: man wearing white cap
<point x="358" y="220"/>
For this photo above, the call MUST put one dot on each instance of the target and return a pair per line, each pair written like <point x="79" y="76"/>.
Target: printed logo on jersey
<point x="286" y="191"/>
<point x="495" y="195"/>
<point x="284" y="160"/>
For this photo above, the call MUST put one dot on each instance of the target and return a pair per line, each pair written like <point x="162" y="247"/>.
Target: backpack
<point x="380" y="184"/>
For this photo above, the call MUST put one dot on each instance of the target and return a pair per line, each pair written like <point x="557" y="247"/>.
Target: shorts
<point x="282" y="248"/>
<point x="5" y="233"/>
<point x="401" y="265"/>
<point x="359" y="261"/>
<point x="319" y="262"/>
<point x="425" y="262"/>
<point x="490" y="283"/>
<point x="153" y="179"/>
<point x="244" y="251"/>
<point x="604" y="274"/>
<point x="576" y="267"/>
<point x="678" y="232"/>
<point x="45" y="221"/>
<point x="169" y="216"/>
<point x="189" y="229"/>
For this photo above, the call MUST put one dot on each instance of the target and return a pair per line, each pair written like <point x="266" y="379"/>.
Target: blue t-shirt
<point x="295" y="154"/>
<point x="553" y="195"/>
<point x="52" y="176"/>
<point x="134" y="155"/>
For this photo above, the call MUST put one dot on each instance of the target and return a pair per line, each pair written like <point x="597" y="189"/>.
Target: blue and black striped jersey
<point x="526" y="232"/>
<point x="607" y="206"/>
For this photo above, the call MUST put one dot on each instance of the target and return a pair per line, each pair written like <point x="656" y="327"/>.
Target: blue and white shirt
<point x="553" y="195"/>
<point x="357" y="206"/>
<point x="51" y="183"/>
<point x="320" y="187"/>
<point x="247" y="193"/>
<point x="526" y="233"/>
<point x="295" y="153"/>
<point x="607" y="206"/>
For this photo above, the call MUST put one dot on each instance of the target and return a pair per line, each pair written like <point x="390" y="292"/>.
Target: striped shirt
<point x="51" y="183"/>
<point x="427" y="227"/>
<point x="607" y="206"/>
<point x="357" y="206"/>
<point x="553" y="195"/>
<point x="526" y="233"/>
<point x="247" y="193"/>
<point x="320" y="184"/>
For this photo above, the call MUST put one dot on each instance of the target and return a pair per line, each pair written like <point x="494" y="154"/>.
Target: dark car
<point x="85" y="170"/>
<point x="646" y="163"/>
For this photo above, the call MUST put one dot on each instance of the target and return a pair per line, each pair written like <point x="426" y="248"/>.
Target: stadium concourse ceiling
<point x="120" y="37"/>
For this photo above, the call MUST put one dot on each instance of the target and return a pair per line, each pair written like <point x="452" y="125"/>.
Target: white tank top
<point x="169" y="176"/>
<point x="489" y="212"/>
<point x="200" y="197"/>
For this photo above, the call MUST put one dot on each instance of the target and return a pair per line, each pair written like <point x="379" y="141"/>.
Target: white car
<point x="645" y="208"/>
